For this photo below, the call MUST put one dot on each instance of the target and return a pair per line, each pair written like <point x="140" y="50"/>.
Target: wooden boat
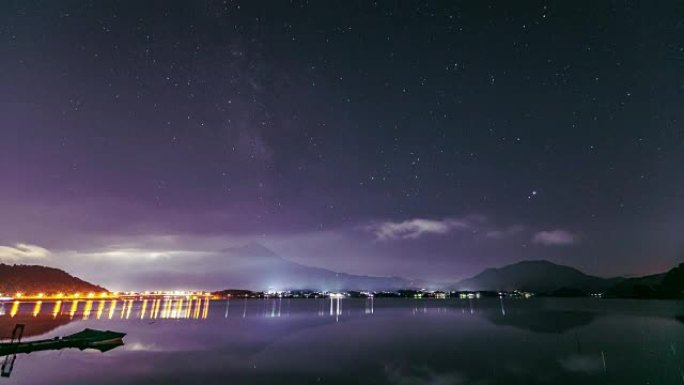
<point x="85" y="339"/>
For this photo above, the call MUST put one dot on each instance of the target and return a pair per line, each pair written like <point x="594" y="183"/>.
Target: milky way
<point x="415" y="139"/>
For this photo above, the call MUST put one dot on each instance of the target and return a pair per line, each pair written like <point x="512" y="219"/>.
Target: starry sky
<point x="420" y="139"/>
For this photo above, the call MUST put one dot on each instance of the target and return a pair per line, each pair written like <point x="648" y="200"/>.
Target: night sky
<point x="421" y="139"/>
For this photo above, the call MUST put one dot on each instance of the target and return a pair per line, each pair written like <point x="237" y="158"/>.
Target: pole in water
<point x="603" y="357"/>
<point x="17" y="333"/>
<point x="8" y="363"/>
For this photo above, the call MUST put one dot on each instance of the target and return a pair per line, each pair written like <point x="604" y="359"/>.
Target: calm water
<point x="352" y="341"/>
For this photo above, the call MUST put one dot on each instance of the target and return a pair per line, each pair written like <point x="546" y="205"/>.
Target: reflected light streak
<point x="100" y="309"/>
<point x="176" y="310"/>
<point x="56" y="309"/>
<point x="36" y="308"/>
<point x="130" y="306"/>
<point x="155" y="309"/>
<point x="15" y="309"/>
<point x="74" y="307"/>
<point x="143" y="309"/>
<point x="165" y="308"/>
<point x="369" y="305"/>
<point x="88" y="308"/>
<point x="339" y="310"/>
<point x="112" y="307"/>
<point x="205" y="312"/>
<point x="188" y="309"/>
<point x="197" y="309"/>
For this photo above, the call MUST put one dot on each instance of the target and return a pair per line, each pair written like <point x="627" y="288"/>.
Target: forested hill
<point x="33" y="279"/>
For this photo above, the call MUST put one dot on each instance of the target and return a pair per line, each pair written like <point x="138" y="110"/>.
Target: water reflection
<point x="169" y="308"/>
<point x="199" y="308"/>
<point x="522" y="314"/>
<point x="86" y="339"/>
<point x="547" y="321"/>
<point x="37" y="324"/>
<point x="381" y="341"/>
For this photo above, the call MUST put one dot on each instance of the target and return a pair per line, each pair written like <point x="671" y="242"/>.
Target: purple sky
<point x="414" y="140"/>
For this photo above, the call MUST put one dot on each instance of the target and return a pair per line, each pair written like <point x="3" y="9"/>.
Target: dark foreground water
<point x="358" y="341"/>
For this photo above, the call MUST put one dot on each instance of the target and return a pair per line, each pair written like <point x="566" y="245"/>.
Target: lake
<point x="357" y="341"/>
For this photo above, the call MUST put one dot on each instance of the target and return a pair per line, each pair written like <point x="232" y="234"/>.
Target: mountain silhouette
<point x="665" y="285"/>
<point x="536" y="277"/>
<point x="254" y="266"/>
<point x="32" y="279"/>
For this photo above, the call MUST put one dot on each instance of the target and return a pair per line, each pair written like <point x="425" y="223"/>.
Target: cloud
<point x="415" y="228"/>
<point x="554" y="238"/>
<point x="138" y="254"/>
<point x="504" y="233"/>
<point x="22" y="251"/>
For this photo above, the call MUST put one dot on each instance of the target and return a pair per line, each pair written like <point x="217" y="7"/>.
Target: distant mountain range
<point x="254" y="266"/>
<point x="666" y="285"/>
<point x="536" y="277"/>
<point x="544" y="277"/>
<point x="33" y="279"/>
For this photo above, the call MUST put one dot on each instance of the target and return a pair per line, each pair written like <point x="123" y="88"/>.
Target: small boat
<point x="85" y="339"/>
<point x="96" y="337"/>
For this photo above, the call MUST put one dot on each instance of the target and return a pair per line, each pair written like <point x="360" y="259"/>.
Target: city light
<point x="187" y="294"/>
